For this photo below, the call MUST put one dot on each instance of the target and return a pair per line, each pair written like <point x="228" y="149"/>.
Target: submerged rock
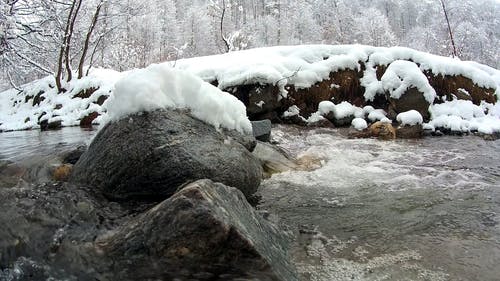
<point x="151" y="154"/>
<point x="206" y="231"/>
<point x="382" y="130"/>
<point x="273" y="159"/>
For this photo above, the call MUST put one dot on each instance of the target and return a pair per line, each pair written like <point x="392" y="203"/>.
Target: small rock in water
<point x="382" y="130"/>
<point x="262" y="130"/>
<point x="62" y="173"/>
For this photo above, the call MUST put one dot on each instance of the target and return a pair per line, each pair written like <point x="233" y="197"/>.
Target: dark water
<point x="402" y="210"/>
<point x="21" y="145"/>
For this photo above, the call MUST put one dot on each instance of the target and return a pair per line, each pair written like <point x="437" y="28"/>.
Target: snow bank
<point x="464" y="116"/>
<point x="303" y="66"/>
<point x="300" y="66"/>
<point x="19" y="111"/>
<point x="160" y="86"/>
<point x="410" y="118"/>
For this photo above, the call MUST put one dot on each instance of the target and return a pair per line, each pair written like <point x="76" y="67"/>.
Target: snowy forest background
<point x="134" y="33"/>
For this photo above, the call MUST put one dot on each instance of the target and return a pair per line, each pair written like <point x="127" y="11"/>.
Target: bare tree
<point x="65" y="45"/>
<point x="454" y="48"/>
<point x="87" y="39"/>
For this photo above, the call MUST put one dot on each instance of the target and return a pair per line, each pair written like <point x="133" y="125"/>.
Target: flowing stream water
<point x="375" y="210"/>
<point x="390" y="210"/>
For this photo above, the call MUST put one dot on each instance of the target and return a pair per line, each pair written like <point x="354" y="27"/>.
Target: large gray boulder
<point x="206" y="231"/>
<point x="151" y="154"/>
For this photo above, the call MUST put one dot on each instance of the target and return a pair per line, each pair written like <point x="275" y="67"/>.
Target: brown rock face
<point x="86" y="121"/>
<point x="343" y="85"/>
<point x="85" y="93"/>
<point x="382" y="131"/>
<point x="412" y="99"/>
<point x="447" y="85"/>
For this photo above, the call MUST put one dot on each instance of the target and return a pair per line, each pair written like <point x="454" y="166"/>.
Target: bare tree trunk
<point x="226" y="43"/>
<point x="87" y="39"/>
<point x="454" y="49"/>
<point x="68" y="41"/>
<point x="62" y="48"/>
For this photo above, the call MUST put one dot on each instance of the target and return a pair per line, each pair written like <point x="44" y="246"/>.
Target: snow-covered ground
<point x="301" y="66"/>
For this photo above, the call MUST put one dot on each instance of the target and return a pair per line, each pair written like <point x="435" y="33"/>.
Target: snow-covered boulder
<point x="206" y="229"/>
<point x="167" y="128"/>
<point x="407" y="88"/>
<point x="410" y="125"/>
<point x="151" y="154"/>
<point x="359" y="124"/>
<point x="410" y="118"/>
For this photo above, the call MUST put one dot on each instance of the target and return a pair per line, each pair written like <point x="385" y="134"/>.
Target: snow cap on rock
<point x="410" y="118"/>
<point x="162" y="87"/>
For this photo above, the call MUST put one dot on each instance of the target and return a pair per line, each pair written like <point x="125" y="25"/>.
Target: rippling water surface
<point x="400" y="210"/>
<point x="20" y="145"/>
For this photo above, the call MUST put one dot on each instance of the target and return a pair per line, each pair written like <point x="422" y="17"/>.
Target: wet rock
<point x="308" y="162"/>
<point x="262" y="99"/>
<point x="382" y="131"/>
<point x="343" y="122"/>
<point x="62" y="173"/>
<point x="10" y="174"/>
<point x="322" y="123"/>
<point x="206" y="231"/>
<point x="45" y="125"/>
<point x="262" y="130"/>
<point x="274" y="159"/>
<point x="72" y="156"/>
<point x="410" y="132"/>
<point x="295" y="119"/>
<point x="151" y="154"/>
<point x="34" y="222"/>
<point x="411" y="99"/>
